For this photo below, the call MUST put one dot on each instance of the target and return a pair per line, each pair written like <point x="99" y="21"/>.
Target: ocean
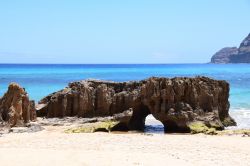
<point x="40" y="80"/>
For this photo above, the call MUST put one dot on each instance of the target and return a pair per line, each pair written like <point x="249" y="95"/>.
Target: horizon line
<point x="100" y="63"/>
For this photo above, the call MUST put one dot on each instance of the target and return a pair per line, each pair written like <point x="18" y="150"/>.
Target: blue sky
<point x="131" y="31"/>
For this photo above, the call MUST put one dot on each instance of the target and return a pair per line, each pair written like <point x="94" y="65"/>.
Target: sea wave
<point x="242" y="118"/>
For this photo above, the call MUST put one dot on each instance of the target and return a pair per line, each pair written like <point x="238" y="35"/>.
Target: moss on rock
<point x="105" y="126"/>
<point x="200" y="127"/>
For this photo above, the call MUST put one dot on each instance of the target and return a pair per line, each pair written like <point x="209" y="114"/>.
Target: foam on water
<point x="242" y="118"/>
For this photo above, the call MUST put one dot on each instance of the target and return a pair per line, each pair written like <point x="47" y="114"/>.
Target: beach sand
<point x="52" y="146"/>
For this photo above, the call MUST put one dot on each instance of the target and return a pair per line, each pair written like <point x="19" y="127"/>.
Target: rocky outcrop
<point x="176" y="102"/>
<point x="15" y="107"/>
<point x="234" y="54"/>
<point x="224" y="55"/>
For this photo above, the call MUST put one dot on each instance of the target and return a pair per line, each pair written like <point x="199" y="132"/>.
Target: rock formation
<point x="15" y="107"/>
<point x="176" y="102"/>
<point x="234" y="54"/>
<point x="224" y="55"/>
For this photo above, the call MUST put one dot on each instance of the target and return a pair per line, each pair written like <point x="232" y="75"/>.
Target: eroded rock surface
<point x="176" y="102"/>
<point x="15" y="107"/>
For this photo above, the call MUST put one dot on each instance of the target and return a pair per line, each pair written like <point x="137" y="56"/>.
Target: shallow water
<point x="153" y="126"/>
<point x="41" y="80"/>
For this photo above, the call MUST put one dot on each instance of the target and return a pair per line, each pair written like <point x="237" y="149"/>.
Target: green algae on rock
<point x="105" y="126"/>
<point x="243" y="132"/>
<point x="200" y="127"/>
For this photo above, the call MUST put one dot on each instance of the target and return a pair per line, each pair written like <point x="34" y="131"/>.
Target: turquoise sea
<point x="41" y="80"/>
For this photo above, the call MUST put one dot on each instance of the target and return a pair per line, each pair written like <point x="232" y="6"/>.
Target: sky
<point x="124" y="31"/>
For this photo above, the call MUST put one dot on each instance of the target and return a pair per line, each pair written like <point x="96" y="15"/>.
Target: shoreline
<point x="68" y="125"/>
<point x="52" y="145"/>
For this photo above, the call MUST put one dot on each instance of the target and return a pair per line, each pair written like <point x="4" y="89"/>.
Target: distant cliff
<point x="234" y="54"/>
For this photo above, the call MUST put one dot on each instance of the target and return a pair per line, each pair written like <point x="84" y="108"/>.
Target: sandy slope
<point x="53" y="147"/>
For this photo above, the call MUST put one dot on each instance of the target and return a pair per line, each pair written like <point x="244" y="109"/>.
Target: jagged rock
<point x="15" y="107"/>
<point x="234" y="54"/>
<point x="176" y="102"/>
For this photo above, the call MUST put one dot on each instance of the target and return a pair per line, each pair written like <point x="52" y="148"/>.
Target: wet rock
<point x="15" y="107"/>
<point x="175" y="102"/>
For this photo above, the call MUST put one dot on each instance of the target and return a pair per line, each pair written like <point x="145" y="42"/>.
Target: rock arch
<point x="176" y="102"/>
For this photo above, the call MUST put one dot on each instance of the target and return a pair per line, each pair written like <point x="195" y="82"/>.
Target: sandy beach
<point x="121" y="83"/>
<point x="52" y="146"/>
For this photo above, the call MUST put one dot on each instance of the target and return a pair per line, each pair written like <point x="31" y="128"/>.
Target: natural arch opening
<point x="152" y="125"/>
<point x="137" y="121"/>
<point x="143" y="120"/>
